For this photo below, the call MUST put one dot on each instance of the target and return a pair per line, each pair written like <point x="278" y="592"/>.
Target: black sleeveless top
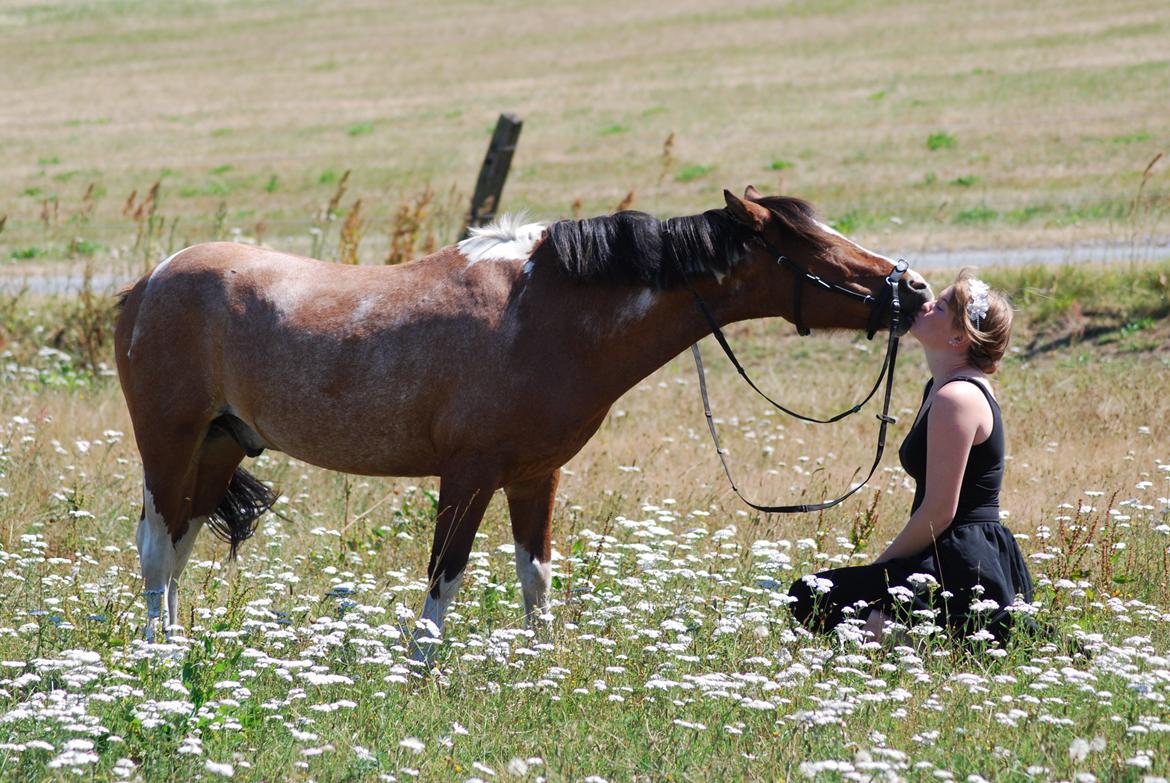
<point x="979" y="492"/>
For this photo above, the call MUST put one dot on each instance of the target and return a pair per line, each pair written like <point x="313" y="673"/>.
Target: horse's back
<point x="285" y="343"/>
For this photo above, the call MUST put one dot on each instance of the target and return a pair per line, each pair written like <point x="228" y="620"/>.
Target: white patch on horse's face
<point x="507" y="239"/>
<point x="830" y="230"/>
<point x="535" y="578"/>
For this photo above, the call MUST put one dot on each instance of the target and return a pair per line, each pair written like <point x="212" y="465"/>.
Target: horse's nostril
<point x="917" y="284"/>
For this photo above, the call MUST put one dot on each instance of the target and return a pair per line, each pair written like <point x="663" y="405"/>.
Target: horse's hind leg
<point x="169" y="474"/>
<point x="218" y="458"/>
<point x="530" y="505"/>
<point x="183" y="549"/>
<point x="226" y="499"/>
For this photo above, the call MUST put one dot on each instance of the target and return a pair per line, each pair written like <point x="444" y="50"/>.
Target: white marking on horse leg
<point x="435" y="609"/>
<point x="535" y="578"/>
<point x="156" y="556"/>
<point x="182" y="553"/>
<point x="430" y="622"/>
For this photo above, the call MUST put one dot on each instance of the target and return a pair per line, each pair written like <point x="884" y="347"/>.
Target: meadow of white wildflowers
<point x="672" y="655"/>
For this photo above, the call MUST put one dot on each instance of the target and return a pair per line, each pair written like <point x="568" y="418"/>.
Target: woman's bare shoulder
<point x="960" y="397"/>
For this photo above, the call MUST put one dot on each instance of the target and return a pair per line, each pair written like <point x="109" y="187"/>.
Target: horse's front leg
<point x="530" y="505"/>
<point x="463" y="497"/>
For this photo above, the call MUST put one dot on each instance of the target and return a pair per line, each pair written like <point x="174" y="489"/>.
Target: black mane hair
<point x="633" y="247"/>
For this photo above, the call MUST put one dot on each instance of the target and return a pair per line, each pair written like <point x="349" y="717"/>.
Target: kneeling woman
<point x="955" y="454"/>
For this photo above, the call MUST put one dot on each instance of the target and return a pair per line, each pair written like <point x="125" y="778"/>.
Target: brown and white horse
<point x="488" y="364"/>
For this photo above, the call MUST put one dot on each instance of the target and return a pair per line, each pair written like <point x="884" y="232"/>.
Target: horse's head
<point x="792" y="240"/>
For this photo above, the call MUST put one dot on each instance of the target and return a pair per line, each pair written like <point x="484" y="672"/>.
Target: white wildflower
<point x="413" y="744"/>
<point x="215" y="768"/>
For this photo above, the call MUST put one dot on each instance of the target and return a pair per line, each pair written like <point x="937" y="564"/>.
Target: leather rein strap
<point x="890" y="297"/>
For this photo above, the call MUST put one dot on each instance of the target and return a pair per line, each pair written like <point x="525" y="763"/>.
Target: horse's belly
<point x="351" y="446"/>
<point x="377" y="431"/>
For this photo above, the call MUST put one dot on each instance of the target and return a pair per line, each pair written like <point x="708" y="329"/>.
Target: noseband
<point x="887" y="301"/>
<point x="876" y="306"/>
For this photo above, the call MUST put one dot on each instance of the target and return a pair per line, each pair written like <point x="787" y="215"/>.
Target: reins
<point x="886" y="371"/>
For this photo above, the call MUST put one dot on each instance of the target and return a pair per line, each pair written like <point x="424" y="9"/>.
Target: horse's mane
<point x="633" y="247"/>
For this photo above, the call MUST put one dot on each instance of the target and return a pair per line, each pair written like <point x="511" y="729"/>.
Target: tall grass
<point x="672" y="654"/>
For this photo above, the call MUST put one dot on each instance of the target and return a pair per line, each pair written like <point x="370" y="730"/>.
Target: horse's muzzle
<point x="913" y="293"/>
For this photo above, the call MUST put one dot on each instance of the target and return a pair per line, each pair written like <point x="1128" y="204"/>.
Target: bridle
<point x="876" y="306"/>
<point x="888" y="300"/>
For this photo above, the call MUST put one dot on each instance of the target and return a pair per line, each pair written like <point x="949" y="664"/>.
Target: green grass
<point x="975" y="215"/>
<point x="1132" y="138"/>
<point x="1114" y="295"/>
<point x="692" y="172"/>
<point x="940" y="140"/>
<point x="671" y="655"/>
<point x="27" y="253"/>
<point x="84" y="247"/>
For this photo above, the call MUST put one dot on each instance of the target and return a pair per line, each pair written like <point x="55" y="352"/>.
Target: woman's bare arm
<point x="955" y="417"/>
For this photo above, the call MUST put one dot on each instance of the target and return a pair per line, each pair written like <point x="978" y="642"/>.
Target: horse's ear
<point x="748" y="213"/>
<point x="752" y="194"/>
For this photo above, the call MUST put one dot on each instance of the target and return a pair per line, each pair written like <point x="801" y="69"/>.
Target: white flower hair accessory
<point x="977" y="300"/>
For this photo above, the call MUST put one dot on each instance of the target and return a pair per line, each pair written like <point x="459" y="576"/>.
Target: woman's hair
<point x="991" y="332"/>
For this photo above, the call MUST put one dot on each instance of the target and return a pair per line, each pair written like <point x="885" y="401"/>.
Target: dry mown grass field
<point x="910" y="124"/>
<point x="672" y="656"/>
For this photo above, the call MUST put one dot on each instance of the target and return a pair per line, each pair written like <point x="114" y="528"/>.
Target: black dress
<point x="974" y="562"/>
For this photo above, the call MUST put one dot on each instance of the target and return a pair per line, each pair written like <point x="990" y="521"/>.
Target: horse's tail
<point x="235" y="519"/>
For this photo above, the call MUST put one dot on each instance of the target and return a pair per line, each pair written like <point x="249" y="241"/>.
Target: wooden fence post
<point x="494" y="172"/>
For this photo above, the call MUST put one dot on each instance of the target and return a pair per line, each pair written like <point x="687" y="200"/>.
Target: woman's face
<point x="935" y="324"/>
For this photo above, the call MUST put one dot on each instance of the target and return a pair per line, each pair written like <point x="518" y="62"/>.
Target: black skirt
<point x="972" y="564"/>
